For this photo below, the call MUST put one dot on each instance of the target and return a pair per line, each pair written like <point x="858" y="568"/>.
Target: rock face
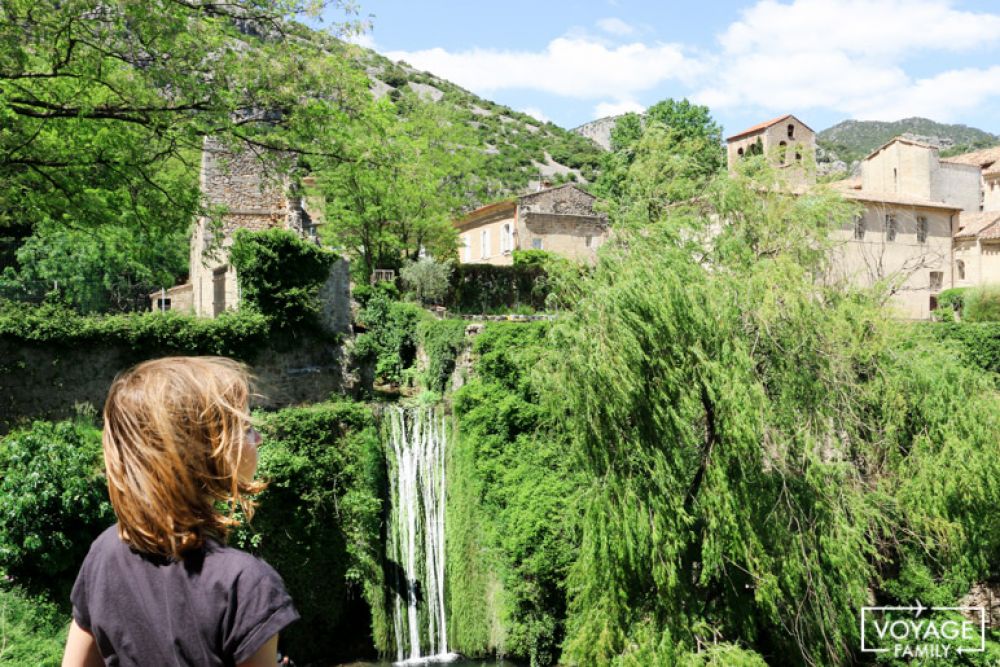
<point x="598" y="131"/>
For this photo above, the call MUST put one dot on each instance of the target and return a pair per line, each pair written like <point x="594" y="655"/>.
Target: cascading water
<point x="416" y="532"/>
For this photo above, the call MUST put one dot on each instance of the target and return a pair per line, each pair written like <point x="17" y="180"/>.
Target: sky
<point x="823" y="60"/>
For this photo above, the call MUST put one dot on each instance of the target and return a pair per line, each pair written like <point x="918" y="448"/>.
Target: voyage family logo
<point x="911" y="632"/>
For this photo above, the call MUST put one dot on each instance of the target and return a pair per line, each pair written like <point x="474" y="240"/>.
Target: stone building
<point x="560" y="220"/>
<point x="788" y="142"/>
<point x="913" y="230"/>
<point x="987" y="161"/>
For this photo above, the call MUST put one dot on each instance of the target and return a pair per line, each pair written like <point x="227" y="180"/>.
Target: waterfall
<point x="416" y="532"/>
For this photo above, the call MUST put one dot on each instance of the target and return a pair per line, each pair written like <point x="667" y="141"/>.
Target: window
<point x="536" y="244"/>
<point x="798" y="156"/>
<point x="782" y="152"/>
<point x="162" y="305"/>
<point x="859" y="228"/>
<point x="506" y="240"/>
<point x="937" y="279"/>
<point x="890" y="227"/>
<point x="589" y="240"/>
<point x="466" y="248"/>
<point x="791" y="131"/>
<point x="934" y="303"/>
<point x="960" y="269"/>
<point x="485" y="244"/>
<point x="921" y="229"/>
<point x="895" y="180"/>
<point x="740" y="152"/>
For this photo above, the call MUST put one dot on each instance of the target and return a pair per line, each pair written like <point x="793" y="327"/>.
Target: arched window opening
<point x="960" y="268"/>
<point x="740" y="152"/>
<point x="791" y="131"/>
<point x="782" y="152"/>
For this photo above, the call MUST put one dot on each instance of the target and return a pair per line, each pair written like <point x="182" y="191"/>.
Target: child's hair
<point x="174" y="434"/>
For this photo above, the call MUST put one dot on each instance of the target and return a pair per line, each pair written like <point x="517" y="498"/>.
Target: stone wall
<point x="45" y="381"/>
<point x="564" y="200"/>
<point x="574" y="236"/>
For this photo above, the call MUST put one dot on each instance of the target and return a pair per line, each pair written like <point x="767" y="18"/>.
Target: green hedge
<point x="32" y="629"/>
<point x="319" y="524"/>
<point x="977" y="342"/>
<point x="280" y="274"/>
<point x="485" y="288"/>
<point x="232" y="334"/>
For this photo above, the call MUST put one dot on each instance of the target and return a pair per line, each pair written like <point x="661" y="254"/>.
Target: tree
<point x="104" y="105"/>
<point x="762" y="452"/>
<point x="411" y="169"/>
<point x="670" y="131"/>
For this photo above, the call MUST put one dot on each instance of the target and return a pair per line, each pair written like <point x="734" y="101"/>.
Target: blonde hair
<point x="174" y="437"/>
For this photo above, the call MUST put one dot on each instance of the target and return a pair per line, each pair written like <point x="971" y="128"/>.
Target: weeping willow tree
<point x="764" y="453"/>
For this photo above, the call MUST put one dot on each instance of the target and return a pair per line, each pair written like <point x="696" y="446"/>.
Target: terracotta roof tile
<point x="982" y="158"/>
<point x="978" y="225"/>
<point x="876" y="197"/>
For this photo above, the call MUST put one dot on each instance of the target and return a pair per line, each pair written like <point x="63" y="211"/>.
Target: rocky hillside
<point x="842" y="146"/>
<point x="521" y="150"/>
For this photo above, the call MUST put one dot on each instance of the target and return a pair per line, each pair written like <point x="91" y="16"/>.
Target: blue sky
<point x="823" y="60"/>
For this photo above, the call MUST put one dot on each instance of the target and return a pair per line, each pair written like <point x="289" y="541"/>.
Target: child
<point x="160" y="587"/>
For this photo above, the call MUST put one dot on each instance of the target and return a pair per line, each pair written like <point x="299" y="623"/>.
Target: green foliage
<point x="537" y="258"/>
<point x="318" y="524"/>
<point x="981" y="304"/>
<point x="442" y="341"/>
<point x="53" y="500"/>
<point x="104" y="107"/>
<point x="977" y="342"/>
<point x="32" y="629"/>
<point x="427" y="280"/>
<point x="389" y="341"/>
<point x="668" y="156"/>
<point x="852" y="140"/>
<point x="487" y="288"/>
<point x="233" y="334"/>
<point x="951" y="302"/>
<point x="410" y="173"/>
<point x="280" y="274"/>
<point x="759" y="452"/>
<point x="510" y="489"/>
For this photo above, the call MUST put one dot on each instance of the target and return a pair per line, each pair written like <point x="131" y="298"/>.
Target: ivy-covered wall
<point x="50" y="361"/>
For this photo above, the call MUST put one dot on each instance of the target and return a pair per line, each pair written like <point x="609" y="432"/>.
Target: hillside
<point x="846" y="143"/>
<point x="521" y="150"/>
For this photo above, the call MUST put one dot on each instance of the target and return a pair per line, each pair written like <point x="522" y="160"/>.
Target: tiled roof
<point x="896" y="198"/>
<point x="978" y="225"/>
<point x="763" y="126"/>
<point x="982" y="158"/>
<point x="485" y="211"/>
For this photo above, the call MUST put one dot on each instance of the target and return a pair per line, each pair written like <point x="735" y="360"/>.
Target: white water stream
<point x="416" y="532"/>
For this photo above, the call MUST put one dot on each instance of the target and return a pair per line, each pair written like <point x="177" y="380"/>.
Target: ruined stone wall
<point x="45" y="381"/>
<point x="565" y="200"/>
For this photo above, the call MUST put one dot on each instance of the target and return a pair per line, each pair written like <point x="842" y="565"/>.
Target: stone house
<point x="912" y="205"/>
<point x="560" y="220"/>
<point x="788" y="142"/>
<point x="988" y="163"/>
<point x="976" y="249"/>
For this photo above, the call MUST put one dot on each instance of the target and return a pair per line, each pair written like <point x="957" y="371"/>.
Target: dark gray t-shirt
<point x="217" y="607"/>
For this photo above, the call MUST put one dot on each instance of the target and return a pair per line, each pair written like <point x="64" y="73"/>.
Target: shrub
<point x="390" y="338"/>
<point x="426" y="279"/>
<point x="951" y="301"/>
<point x="53" y="500"/>
<point x="442" y="341"/>
<point x="32" y="629"/>
<point x="318" y="524"/>
<point x="280" y="274"/>
<point x="982" y="304"/>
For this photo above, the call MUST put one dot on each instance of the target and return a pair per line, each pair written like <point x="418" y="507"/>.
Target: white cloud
<point x="364" y="39"/>
<point x="536" y="113"/>
<point x="615" y="26"/>
<point x="605" y="109"/>
<point x="577" y="67"/>
<point x="850" y="56"/>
